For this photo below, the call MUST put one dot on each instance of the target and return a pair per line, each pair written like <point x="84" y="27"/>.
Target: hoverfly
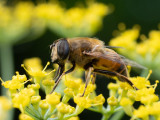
<point x="92" y="55"/>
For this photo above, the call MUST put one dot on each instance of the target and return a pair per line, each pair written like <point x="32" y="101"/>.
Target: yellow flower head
<point x="70" y="92"/>
<point x="5" y="103"/>
<point x="34" y="86"/>
<point x="20" y="78"/>
<point x="28" y="91"/>
<point x="74" y="118"/>
<point x="43" y="104"/>
<point x="34" y="68"/>
<point x="140" y="82"/>
<point x="72" y="82"/>
<point x="131" y="94"/>
<point x="84" y="102"/>
<point x="125" y="101"/>
<point x="48" y="82"/>
<point x="35" y="99"/>
<point x="53" y="99"/>
<point x="98" y="100"/>
<point x="17" y="82"/>
<point x="90" y="88"/>
<point x="143" y="93"/>
<point x="64" y="108"/>
<point x="142" y="112"/>
<point x="126" y="39"/>
<point x="24" y="117"/>
<point x="112" y="101"/>
<point x="20" y="100"/>
<point x="154" y="109"/>
<point x="149" y="99"/>
<point x="113" y="86"/>
<point x="24" y="12"/>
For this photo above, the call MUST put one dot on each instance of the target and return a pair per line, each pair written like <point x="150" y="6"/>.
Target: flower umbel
<point x="55" y="106"/>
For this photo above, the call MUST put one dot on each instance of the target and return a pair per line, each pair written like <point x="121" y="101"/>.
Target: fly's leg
<point x="110" y="73"/>
<point x="87" y="74"/>
<point x="71" y="69"/>
<point x="60" y="73"/>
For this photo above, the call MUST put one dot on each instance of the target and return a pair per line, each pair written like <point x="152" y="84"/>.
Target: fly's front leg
<point x="61" y="73"/>
<point x="87" y="77"/>
<point x="71" y="69"/>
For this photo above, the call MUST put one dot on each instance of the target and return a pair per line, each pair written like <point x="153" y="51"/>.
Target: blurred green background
<point x="131" y="12"/>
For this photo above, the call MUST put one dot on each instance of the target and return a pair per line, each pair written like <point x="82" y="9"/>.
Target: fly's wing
<point x="132" y="63"/>
<point x="106" y="54"/>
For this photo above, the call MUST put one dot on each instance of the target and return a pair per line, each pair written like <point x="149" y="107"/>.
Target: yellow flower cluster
<point x="76" y="21"/>
<point x="28" y="20"/>
<point x="5" y="106"/>
<point x="56" y="105"/>
<point x="28" y="100"/>
<point x="18" y="22"/>
<point x="122" y="94"/>
<point x="146" y="52"/>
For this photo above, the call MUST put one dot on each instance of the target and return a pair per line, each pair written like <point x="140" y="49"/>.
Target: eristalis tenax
<point x="92" y="55"/>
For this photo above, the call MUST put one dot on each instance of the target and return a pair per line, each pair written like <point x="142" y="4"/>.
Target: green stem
<point x="7" y="69"/>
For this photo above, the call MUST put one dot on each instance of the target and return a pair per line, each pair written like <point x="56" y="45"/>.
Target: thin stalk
<point x="7" y="69"/>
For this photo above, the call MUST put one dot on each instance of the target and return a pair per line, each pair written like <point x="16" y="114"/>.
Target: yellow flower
<point x="112" y="101"/>
<point x="51" y="12"/>
<point x="144" y="92"/>
<point x="53" y="98"/>
<point x="70" y="92"/>
<point x="125" y="101"/>
<point x="90" y="88"/>
<point x="155" y="108"/>
<point x="20" y="78"/>
<point x="82" y="101"/>
<point x="28" y="91"/>
<point x="34" y="69"/>
<point x="126" y="39"/>
<point x="44" y="104"/>
<point x="24" y="12"/>
<point x="131" y="94"/>
<point x="20" y="101"/>
<point x="24" y="117"/>
<point x="125" y="86"/>
<point x="98" y="100"/>
<point x="33" y="63"/>
<point x="149" y="99"/>
<point x="113" y="86"/>
<point x="140" y="82"/>
<point x="17" y="82"/>
<point x="142" y="112"/>
<point x="35" y="99"/>
<point x="72" y="82"/>
<point x="64" y="108"/>
<point x="5" y="103"/>
<point x="48" y="82"/>
<point x="74" y="118"/>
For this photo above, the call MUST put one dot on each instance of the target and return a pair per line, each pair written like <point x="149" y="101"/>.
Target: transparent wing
<point x="132" y="63"/>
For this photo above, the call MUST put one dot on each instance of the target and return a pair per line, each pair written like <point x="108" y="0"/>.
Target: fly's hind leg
<point x="120" y="76"/>
<point x="87" y="77"/>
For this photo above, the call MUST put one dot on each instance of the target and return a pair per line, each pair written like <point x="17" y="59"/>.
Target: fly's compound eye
<point x="63" y="49"/>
